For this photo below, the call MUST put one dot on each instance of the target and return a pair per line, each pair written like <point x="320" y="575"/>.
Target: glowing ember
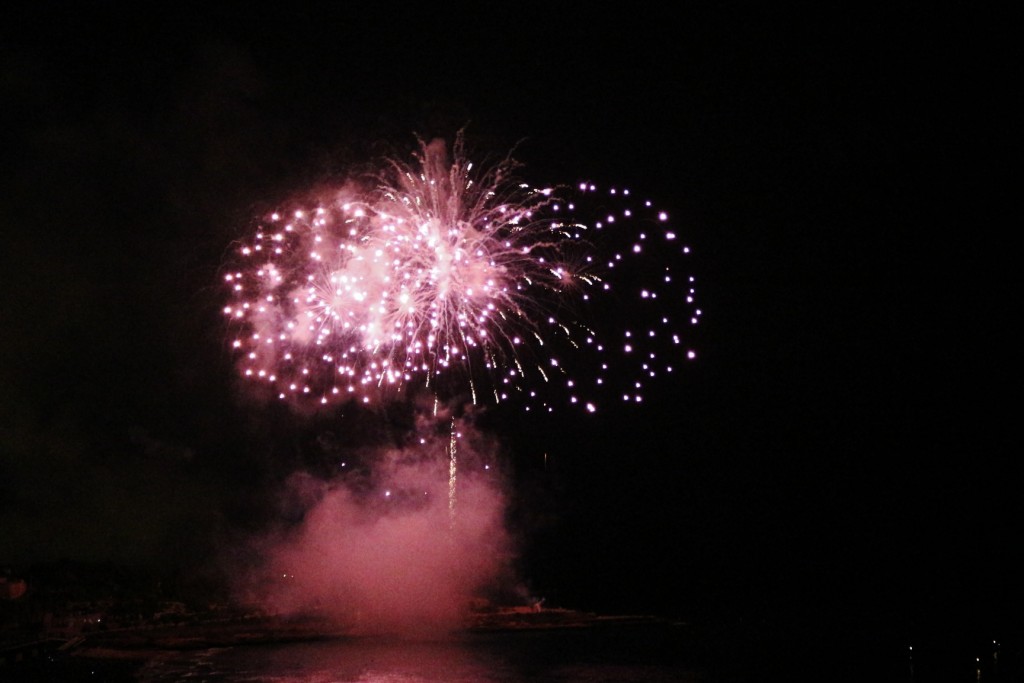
<point x="464" y="282"/>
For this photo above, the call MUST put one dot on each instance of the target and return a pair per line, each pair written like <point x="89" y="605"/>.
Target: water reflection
<point x="508" y="657"/>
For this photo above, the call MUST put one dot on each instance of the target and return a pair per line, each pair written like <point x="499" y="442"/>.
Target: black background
<point x="841" y="452"/>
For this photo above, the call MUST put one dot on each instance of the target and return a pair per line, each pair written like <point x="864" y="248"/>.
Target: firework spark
<point x="465" y="282"/>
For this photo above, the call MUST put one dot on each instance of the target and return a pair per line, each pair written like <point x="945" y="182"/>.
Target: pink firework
<point x="456" y="281"/>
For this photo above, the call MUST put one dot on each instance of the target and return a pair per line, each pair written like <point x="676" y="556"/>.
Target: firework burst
<point x="463" y="282"/>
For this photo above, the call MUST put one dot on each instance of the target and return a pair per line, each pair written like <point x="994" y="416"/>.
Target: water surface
<point x="592" y="655"/>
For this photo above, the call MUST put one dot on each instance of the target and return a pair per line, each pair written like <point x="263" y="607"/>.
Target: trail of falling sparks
<point x="461" y="281"/>
<point x="452" y="472"/>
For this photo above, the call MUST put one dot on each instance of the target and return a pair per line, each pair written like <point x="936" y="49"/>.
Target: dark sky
<point x="845" y="437"/>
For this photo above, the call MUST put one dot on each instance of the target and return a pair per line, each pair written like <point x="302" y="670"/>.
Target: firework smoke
<point x="382" y="556"/>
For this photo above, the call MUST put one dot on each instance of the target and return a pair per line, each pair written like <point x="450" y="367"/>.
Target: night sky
<point x="841" y="449"/>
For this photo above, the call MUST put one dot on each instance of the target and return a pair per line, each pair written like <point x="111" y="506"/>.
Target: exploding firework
<point x="464" y="282"/>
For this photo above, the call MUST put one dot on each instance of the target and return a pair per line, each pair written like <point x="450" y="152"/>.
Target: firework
<point x="465" y="282"/>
